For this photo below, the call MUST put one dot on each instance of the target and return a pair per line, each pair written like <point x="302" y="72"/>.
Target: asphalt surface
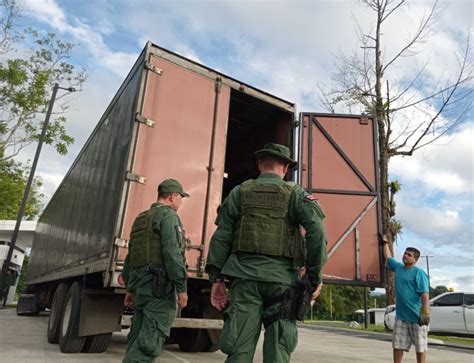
<point x="23" y="339"/>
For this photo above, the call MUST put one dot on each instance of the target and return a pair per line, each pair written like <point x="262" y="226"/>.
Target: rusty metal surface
<point x="338" y="166"/>
<point x="178" y="146"/>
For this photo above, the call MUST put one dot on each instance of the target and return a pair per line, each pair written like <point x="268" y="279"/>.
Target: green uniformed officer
<point x="155" y="273"/>
<point x="258" y="246"/>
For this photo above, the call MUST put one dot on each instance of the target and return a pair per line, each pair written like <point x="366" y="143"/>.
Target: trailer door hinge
<point x="153" y="68"/>
<point x="297" y="123"/>
<point x="136" y="178"/>
<point x="121" y="242"/>
<point x="144" y="120"/>
<point x="364" y="121"/>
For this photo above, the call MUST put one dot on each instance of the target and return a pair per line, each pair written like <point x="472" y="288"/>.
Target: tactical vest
<point x="145" y="243"/>
<point x="263" y="226"/>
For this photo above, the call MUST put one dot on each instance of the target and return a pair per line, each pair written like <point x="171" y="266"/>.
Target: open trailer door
<point x="339" y="165"/>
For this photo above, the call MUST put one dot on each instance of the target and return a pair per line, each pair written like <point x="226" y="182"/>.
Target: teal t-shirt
<point x="410" y="283"/>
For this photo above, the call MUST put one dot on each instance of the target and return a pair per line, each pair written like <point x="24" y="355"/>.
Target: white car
<point x="451" y="312"/>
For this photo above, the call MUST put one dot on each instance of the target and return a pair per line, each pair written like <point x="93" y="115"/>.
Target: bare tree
<point x="407" y="118"/>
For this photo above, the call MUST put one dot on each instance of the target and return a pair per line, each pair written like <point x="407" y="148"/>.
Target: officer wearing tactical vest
<point x="154" y="273"/>
<point x="258" y="247"/>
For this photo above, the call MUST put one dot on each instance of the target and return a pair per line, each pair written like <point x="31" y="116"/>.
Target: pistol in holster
<point x="294" y="302"/>
<point x="297" y="299"/>
<point x="160" y="280"/>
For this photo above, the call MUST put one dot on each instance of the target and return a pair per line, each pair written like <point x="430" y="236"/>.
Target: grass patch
<point x="343" y="324"/>
<point x="381" y="329"/>
<point x="451" y="339"/>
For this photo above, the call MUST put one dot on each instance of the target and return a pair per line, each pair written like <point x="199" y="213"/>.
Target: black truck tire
<point x="57" y="307"/>
<point x="97" y="343"/>
<point x="69" y="341"/>
<point x="193" y="340"/>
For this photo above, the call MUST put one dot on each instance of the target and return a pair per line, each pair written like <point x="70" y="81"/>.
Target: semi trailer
<point x="175" y="118"/>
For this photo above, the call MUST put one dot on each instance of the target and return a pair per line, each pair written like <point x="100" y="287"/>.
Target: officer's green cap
<point x="276" y="150"/>
<point x="172" y="186"/>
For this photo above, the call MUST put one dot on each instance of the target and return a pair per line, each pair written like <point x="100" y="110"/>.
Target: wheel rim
<point x="66" y="316"/>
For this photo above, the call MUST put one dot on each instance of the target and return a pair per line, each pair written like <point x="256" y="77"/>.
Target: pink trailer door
<point x="187" y="143"/>
<point x="339" y="165"/>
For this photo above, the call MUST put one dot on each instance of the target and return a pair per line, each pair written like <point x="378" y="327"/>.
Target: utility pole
<point x="366" y="313"/>
<point x="428" y="273"/>
<point x="26" y="193"/>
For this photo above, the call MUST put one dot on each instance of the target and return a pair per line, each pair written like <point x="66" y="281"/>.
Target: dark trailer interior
<point x="252" y="124"/>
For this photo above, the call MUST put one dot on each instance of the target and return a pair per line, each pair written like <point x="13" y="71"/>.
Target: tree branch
<point x="418" y="37"/>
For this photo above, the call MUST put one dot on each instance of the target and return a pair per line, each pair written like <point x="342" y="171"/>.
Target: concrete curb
<point x="379" y="336"/>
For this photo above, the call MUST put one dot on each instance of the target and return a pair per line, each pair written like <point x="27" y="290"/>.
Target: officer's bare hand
<point x="182" y="299"/>
<point x="128" y="301"/>
<point x="316" y="293"/>
<point x="121" y="280"/>
<point x="218" y="295"/>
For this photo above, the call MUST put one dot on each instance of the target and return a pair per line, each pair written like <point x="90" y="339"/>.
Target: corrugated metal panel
<point x="338" y="164"/>
<point x="78" y="224"/>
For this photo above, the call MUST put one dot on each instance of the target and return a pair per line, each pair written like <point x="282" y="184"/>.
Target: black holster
<point x="297" y="299"/>
<point x="294" y="302"/>
<point x="160" y="280"/>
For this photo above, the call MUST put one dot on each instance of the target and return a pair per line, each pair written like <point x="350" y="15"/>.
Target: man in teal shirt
<point x="412" y="310"/>
<point x="258" y="247"/>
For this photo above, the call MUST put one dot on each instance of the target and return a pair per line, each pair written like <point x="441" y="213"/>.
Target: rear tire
<point x="69" y="341"/>
<point x="193" y="340"/>
<point x="57" y="308"/>
<point x="211" y="347"/>
<point x="97" y="343"/>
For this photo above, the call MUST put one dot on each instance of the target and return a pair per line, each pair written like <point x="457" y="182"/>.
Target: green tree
<point x="367" y="80"/>
<point x="438" y="290"/>
<point x="30" y="64"/>
<point x="338" y="302"/>
<point x="21" y="280"/>
<point x="26" y="83"/>
<point x="13" y="177"/>
<point x="378" y="301"/>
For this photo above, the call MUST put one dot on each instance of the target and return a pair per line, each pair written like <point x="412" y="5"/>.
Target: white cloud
<point x="427" y="221"/>
<point x="447" y="165"/>
<point x="50" y="13"/>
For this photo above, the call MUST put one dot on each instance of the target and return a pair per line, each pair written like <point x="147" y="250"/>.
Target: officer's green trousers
<point x="151" y="325"/>
<point x="243" y="324"/>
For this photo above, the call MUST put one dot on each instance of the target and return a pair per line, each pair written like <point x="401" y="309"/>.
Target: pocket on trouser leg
<point x="289" y="335"/>
<point x="228" y="336"/>
<point x="150" y="339"/>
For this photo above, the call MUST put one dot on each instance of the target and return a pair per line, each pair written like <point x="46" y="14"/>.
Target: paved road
<point x="23" y="340"/>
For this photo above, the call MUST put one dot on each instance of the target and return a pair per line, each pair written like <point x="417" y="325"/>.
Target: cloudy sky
<point x="287" y="48"/>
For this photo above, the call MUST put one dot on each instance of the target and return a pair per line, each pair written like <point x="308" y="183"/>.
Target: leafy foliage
<point x="438" y="290"/>
<point x="21" y="279"/>
<point x="25" y="86"/>
<point x="13" y="178"/>
<point x="339" y="302"/>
